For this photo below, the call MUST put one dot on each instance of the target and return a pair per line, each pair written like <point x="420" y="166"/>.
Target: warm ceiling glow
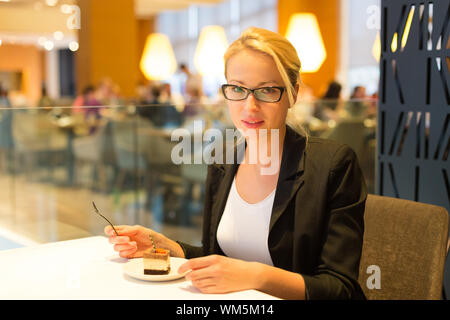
<point x="74" y="46"/>
<point x="376" y="48"/>
<point x="211" y="47"/>
<point x="304" y="34"/>
<point x="42" y="41"/>
<point x="38" y="6"/>
<point x="49" y="45"/>
<point x="65" y="8"/>
<point x="58" y="35"/>
<point x="158" y="60"/>
<point x="51" y="3"/>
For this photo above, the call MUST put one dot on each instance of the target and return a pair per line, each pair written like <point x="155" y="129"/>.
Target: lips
<point x="252" y="123"/>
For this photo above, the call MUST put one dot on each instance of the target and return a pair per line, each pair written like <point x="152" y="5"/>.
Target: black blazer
<point x="316" y="227"/>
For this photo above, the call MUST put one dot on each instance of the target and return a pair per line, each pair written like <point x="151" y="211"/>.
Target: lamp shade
<point x="304" y="34"/>
<point x="158" y="60"/>
<point x="211" y="47"/>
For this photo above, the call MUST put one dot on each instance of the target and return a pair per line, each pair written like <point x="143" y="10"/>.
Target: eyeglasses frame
<point x="248" y="90"/>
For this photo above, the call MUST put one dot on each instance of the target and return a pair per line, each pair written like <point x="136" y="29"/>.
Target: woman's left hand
<point x="219" y="274"/>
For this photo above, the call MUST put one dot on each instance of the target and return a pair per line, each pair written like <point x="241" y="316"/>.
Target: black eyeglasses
<point x="264" y="94"/>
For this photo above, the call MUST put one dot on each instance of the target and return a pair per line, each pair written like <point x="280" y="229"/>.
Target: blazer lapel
<point x="290" y="178"/>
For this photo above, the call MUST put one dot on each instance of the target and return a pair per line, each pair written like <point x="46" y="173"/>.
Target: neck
<point x="265" y="150"/>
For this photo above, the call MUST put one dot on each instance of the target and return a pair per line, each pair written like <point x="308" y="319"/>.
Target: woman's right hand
<point x="132" y="241"/>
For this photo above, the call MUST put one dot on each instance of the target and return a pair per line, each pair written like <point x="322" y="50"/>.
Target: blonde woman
<point x="295" y="233"/>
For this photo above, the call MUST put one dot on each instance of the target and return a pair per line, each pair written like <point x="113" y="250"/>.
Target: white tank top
<point x="244" y="228"/>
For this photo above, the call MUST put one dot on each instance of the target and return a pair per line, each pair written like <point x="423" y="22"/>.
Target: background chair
<point x="95" y="150"/>
<point x="38" y="142"/>
<point x="408" y="241"/>
<point x="6" y="139"/>
<point x="361" y="138"/>
<point x="164" y="185"/>
<point x="129" y="149"/>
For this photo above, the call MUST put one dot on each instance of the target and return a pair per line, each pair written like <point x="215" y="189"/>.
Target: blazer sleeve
<point x="336" y="276"/>
<point x="199" y="251"/>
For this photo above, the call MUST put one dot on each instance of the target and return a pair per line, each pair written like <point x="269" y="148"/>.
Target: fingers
<point x="185" y="267"/>
<point x="198" y="263"/>
<point x="128" y="253"/>
<point x="202" y="283"/>
<point x="122" y="242"/>
<point x="123" y="230"/>
<point x="125" y="247"/>
<point x="126" y="250"/>
<point x="119" y="239"/>
<point x="107" y="230"/>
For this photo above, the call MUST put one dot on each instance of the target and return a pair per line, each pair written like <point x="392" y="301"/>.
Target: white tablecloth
<point x="88" y="268"/>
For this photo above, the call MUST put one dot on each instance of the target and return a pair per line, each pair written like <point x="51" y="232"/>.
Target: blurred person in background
<point x="6" y="138"/>
<point x="158" y="108"/>
<point x="194" y="103"/>
<point x="107" y="92"/>
<point x="170" y="97"/>
<point x="4" y="100"/>
<point x="45" y="103"/>
<point x="193" y="86"/>
<point x="327" y="107"/>
<point x="149" y="97"/>
<point x="357" y="106"/>
<point x="304" y="106"/>
<point x="372" y="106"/>
<point x="88" y="104"/>
<point x="218" y="111"/>
<point x="141" y="91"/>
<point x="78" y="103"/>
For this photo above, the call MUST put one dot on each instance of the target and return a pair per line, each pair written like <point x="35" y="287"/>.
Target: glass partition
<point x="54" y="162"/>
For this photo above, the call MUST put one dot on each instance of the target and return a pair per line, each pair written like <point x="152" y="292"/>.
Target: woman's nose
<point x="251" y="104"/>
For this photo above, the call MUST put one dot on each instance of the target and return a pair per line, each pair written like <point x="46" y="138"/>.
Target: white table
<point x="89" y="268"/>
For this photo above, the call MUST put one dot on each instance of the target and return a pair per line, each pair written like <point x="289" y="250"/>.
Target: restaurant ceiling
<point x="143" y="8"/>
<point x="25" y="21"/>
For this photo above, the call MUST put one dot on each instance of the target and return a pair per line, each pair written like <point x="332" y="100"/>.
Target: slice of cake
<point x="156" y="261"/>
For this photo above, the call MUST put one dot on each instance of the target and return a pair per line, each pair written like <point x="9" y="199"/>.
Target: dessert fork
<point x="96" y="211"/>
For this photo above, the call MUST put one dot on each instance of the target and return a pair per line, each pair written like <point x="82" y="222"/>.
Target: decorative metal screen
<point x="414" y="107"/>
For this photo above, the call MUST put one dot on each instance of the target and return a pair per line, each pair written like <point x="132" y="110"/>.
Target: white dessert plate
<point x="135" y="268"/>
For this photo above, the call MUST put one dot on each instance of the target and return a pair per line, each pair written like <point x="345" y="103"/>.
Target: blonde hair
<point x="285" y="57"/>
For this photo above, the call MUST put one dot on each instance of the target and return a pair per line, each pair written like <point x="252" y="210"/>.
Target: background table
<point x="89" y="268"/>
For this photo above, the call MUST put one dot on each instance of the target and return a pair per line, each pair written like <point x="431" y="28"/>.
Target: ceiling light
<point x="158" y="60"/>
<point x="65" y="8"/>
<point x="51" y="3"/>
<point x="73" y="46"/>
<point x="49" y="45"/>
<point x="58" y="35"/>
<point x="211" y="47"/>
<point x="304" y="33"/>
